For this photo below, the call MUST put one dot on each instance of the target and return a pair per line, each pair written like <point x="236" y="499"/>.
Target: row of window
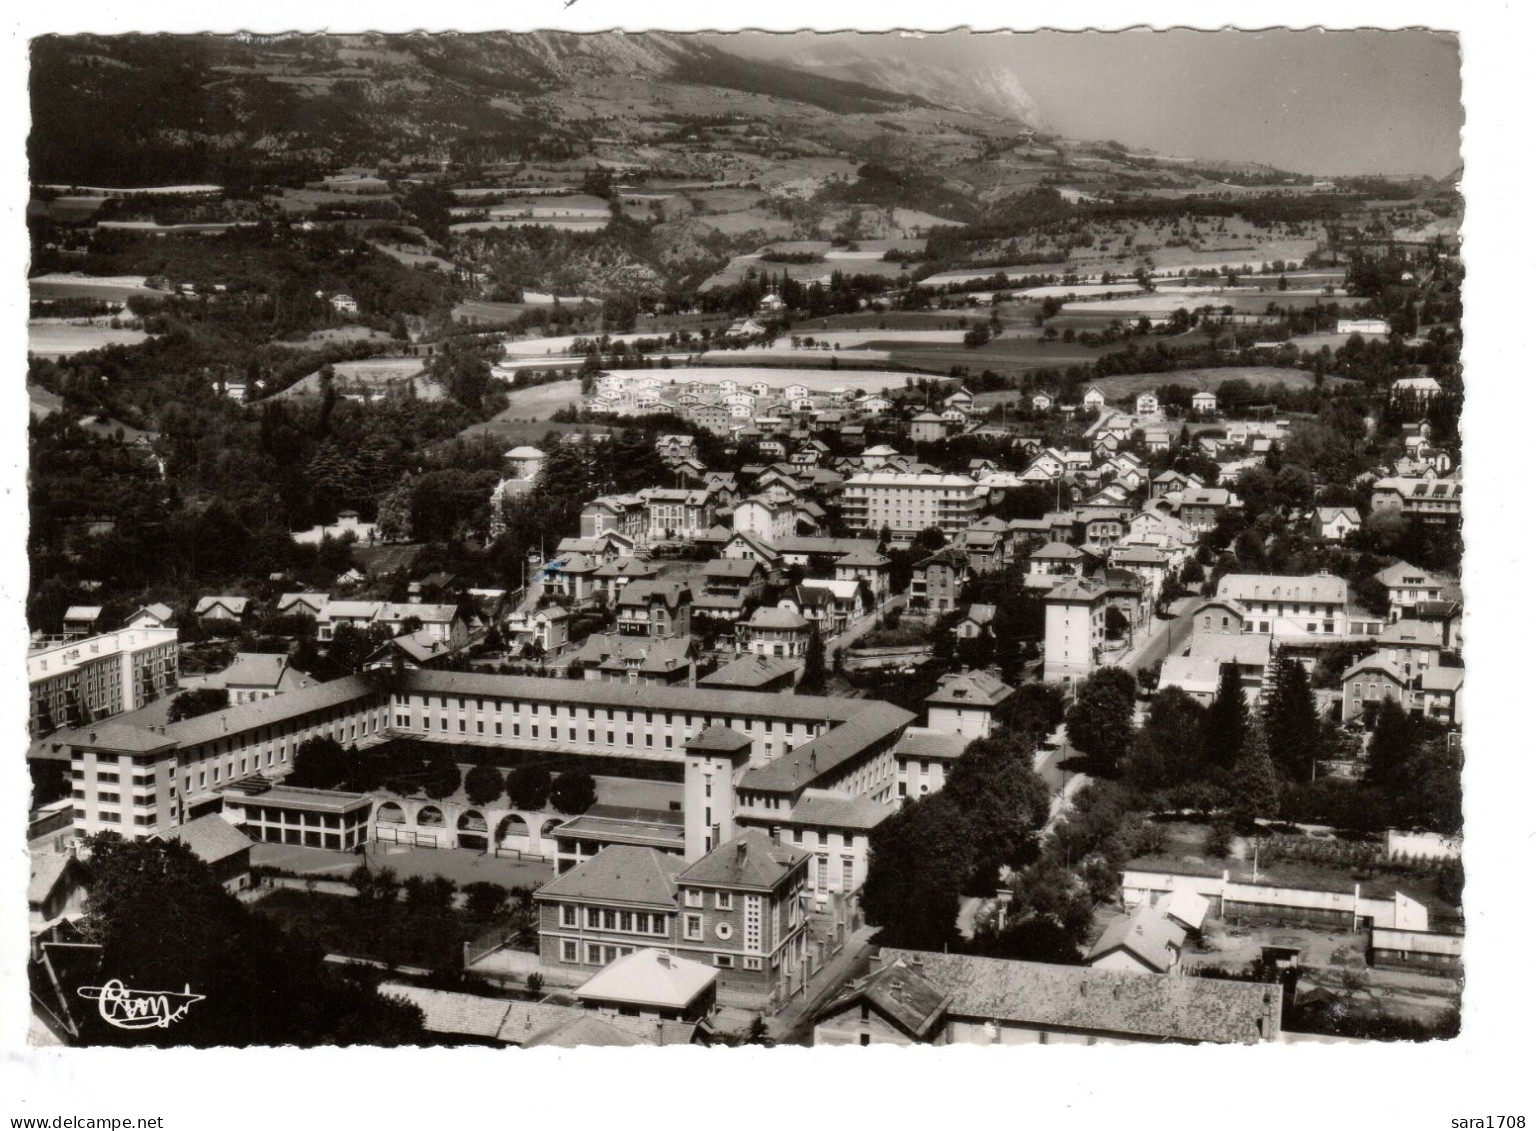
<point x="609" y="919"/>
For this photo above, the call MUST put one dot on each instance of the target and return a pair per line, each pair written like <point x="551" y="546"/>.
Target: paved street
<point x="792" y="1025"/>
<point x="1164" y="638"/>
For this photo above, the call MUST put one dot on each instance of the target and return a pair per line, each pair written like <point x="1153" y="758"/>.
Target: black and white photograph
<point x="592" y="538"/>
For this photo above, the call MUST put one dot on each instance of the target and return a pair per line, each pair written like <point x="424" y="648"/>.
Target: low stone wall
<point x="894" y="656"/>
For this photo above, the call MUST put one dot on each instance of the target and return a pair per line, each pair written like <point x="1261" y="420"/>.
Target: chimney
<point x="224" y="720"/>
<point x="741" y="853"/>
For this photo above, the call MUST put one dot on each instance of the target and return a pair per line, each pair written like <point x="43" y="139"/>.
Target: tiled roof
<point x="749" y="671"/>
<point x="875" y="723"/>
<point x="719" y="738"/>
<point x="1192" y="673"/>
<point x="920" y="742"/>
<point x="1086" y="999"/>
<point x="261" y="712"/>
<point x="1250" y="587"/>
<point x="1146" y="933"/>
<point x="649" y="977"/>
<point x="980" y="614"/>
<point x="736" y="568"/>
<point x="235" y="605"/>
<point x="752" y="860"/>
<point x="47" y="868"/>
<point x="586" y="1030"/>
<point x="970" y="687"/>
<point x="1250" y="649"/>
<point x="765" y="617"/>
<point x="842" y="547"/>
<point x="211" y="838"/>
<point x="640" y="593"/>
<point x="620" y="873"/>
<point x="117" y="736"/>
<point x="825" y="808"/>
<point x="900" y="994"/>
<point x="447" y="1011"/>
<point x="715" y="703"/>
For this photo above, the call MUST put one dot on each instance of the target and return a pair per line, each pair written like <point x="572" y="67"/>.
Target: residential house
<point x="927" y="428"/>
<point x="610" y="579"/>
<point x="1334" y="524"/>
<point x="302" y="604"/>
<point x="764" y="518"/>
<point x="938" y="580"/>
<point x="728" y="585"/>
<point x="976" y="622"/>
<point x="616" y="657"/>
<point x="230" y="610"/>
<point x="1408" y="585"/>
<point x="773" y="632"/>
<point x="157" y="615"/>
<point x="868" y="567"/>
<point x="655" y="608"/>
<point x="1054" y="561"/>
<point x="1145" y="941"/>
<point x="1201" y="508"/>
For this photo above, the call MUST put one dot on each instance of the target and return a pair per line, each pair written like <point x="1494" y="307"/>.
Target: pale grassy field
<point x="1128" y="385"/>
<point x="370" y="373"/>
<point x="59" y="339"/>
<point x="107" y="288"/>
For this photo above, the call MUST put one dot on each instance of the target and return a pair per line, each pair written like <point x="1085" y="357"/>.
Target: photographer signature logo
<point x="139" y="1009"/>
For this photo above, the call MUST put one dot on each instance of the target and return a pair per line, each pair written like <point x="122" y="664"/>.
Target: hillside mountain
<point x="150" y="109"/>
<point x="991" y="91"/>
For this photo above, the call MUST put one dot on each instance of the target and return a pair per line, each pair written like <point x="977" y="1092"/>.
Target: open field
<point x="1005" y="354"/>
<point x="336" y="334"/>
<point x="550" y="347"/>
<point x="562" y="225"/>
<point x="511" y="429"/>
<point x="61" y="339"/>
<point x="107" y="288"/>
<point x="414" y="258"/>
<point x="1128" y="385"/>
<point x="537" y="402"/>
<point x="819" y="380"/>
<point x="371" y="373"/>
<point x="42" y="402"/>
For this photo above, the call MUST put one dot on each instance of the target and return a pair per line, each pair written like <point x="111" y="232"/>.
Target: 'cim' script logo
<point x="139" y="1009"/>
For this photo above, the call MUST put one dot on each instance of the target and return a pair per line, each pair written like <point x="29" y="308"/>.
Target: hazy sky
<point x="1307" y="101"/>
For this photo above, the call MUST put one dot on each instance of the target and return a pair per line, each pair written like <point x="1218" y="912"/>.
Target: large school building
<point x="812" y="771"/>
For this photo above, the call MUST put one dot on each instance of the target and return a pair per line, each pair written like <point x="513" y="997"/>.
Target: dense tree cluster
<point x="164" y="922"/>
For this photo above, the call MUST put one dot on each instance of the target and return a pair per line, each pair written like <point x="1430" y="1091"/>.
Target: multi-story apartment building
<point x="74" y="682"/>
<point x="1075" y="628"/>
<point x="909" y="503"/>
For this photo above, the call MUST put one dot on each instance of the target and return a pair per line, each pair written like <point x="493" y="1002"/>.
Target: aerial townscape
<point x="542" y="540"/>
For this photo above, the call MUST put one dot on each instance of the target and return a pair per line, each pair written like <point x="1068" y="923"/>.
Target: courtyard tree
<point x="528" y="787"/>
<point x="573" y="792"/>
<point x="1099" y="723"/>
<point x="483" y="784"/>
